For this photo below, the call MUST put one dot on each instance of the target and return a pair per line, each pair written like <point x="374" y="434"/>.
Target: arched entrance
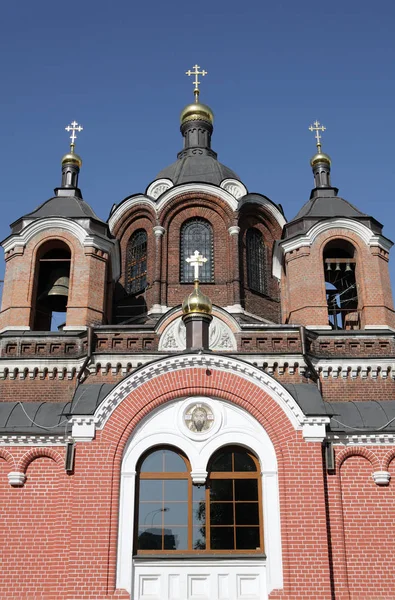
<point x="197" y="430"/>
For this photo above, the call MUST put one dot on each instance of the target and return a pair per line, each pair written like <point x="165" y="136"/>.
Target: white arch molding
<point x="232" y="425"/>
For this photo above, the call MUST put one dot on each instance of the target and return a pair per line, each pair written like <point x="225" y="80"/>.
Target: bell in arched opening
<point x="53" y="283"/>
<point x="56" y="294"/>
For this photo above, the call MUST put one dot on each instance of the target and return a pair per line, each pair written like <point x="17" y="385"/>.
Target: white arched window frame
<point x="233" y="426"/>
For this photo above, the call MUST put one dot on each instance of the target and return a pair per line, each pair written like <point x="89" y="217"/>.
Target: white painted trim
<point x="268" y="205"/>
<point x="16" y="479"/>
<point x="361" y="439"/>
<point x="238" y="427"/>
<point x="167" y="196"/>
<point x="15" y="328"/>
<point x="366" y="234"/>
<point x="314" y="429"/>
<point x="17" y="439"/>
<point x="201" y="361"/>
<point x="21" y="239"/>
<point x="159" y="187"/>
<point x="381" y="477"/>
<point x="234" y="187"/>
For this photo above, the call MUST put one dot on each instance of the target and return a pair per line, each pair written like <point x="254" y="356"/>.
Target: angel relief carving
<point x="220" y="336"/>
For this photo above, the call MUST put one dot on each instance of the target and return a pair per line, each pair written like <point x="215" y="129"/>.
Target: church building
<point x="214" y="419"/>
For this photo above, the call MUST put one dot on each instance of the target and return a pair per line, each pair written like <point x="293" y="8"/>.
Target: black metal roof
<point x="70" y="207"/>
<point x="48" y="418"/>
<point x="197" y="169"/>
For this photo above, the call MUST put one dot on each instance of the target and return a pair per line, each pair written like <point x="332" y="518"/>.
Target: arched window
<point x="340" y="285"/>
<point x="256" y="261"/>
<point x="196" y="234"/>
<point x="225" y="515"/>
<point x="136" y="262"/>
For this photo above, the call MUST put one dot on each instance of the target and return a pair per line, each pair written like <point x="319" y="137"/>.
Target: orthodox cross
<point x="73" y="127"/>
<point x="196" y="261"/>
<point x="196" y="82"/>
<point x="317" y="127"/>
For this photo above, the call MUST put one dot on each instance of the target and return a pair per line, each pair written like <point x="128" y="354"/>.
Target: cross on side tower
<point x="317" y="127"/>
<point x="73" y="127"/>
<point x="196" y="82"/>
<point x="196" y="261"/>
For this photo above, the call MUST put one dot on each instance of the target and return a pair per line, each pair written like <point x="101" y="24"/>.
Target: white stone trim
<point x="16" y="479"/>
<point x="234" y="230"/>
<point x="361" y="439"/>
<point x="83" y="429"/>
<point x="167" y="196"/>
<point x="159" y="187"/>
<point x="238" y="427"/>
<point x="48" y="224"/>
<point x="336" y="368"/>
<point x="381" y="477"/>
<point x="314" y="429"/>
<point x="33" y="440"/>
<point x="268" y="205"/>
<point x="159" y="231"/>
<point x="234" y="187"/>
<point x="201" y="361"/>
<point x="15" y="328"/>
<point x="366" y="234"/>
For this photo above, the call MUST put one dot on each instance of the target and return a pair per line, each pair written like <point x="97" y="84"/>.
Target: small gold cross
<point x="317" y="127"/>
<point x="196" y="82"/>
<point x="196" y="261"/>
<point x="73" y="127"/>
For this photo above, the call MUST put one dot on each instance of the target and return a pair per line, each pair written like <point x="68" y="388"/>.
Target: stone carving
<point x="199" y="417"/>
<point x="158" y="187"/>
<point x="220" y="336"/>
<point x="234" y="187"/>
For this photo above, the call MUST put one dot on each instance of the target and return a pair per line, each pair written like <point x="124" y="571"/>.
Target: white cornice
<point x="100" y="242"/>
<point x="361" y="439"/>
<point x="201" y="361"/>
<point x="366" y="234"/>
<point x="167" y="196"/>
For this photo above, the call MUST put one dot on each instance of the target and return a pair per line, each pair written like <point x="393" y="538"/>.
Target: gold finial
<point x="317" y="127"/>
<point x="196" y="82"/>
<point x="196" y="302"/>
<point x="73" y="127"/>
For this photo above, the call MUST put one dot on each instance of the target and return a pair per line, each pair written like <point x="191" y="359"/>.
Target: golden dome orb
<point x="73" y="158"/>
<point x="197" y="302"/>
<point x="197" y="112"/>
<point x="320" y="157"/>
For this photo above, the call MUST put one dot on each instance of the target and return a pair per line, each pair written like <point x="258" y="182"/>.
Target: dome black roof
<point x="205" y="169"/>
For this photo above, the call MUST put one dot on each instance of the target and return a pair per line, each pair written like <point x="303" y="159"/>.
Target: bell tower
<point x="335" y="270"/>
<point x="60" y="259"/>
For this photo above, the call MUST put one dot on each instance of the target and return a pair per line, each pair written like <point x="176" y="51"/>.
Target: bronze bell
<point x="56" y="294"/>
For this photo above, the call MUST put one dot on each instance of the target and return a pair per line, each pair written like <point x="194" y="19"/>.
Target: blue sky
<point x="273" y="68"/>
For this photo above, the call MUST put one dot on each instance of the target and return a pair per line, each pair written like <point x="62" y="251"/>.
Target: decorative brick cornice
<point x="362" y="439"/>
<point x="34" y="440"/>
<point x="201" y="361"/>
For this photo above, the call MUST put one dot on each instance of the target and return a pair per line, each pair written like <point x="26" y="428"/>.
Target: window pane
<point x="153" y="463"/>
<point x="150" y="539"/>
<point x="222" y="462"/>
<point x="246" y="489"/>
<point x="176" y="538"/>
<point x="196" y="234"/>
<point x="247" y="513"/>
<point x="199" y="513"/>
<point x="247" y="538"/>
<point x="176" y="489"/>
<point x="199" y="493"/>
<point x="256" y="259"/>
<point x="199" y="538"/>
<point x="176" y="513"/>
<point x="163" y="461"/>
<point x="151" y="489"/>
<point x="221" y="489"/>
<point x="244" y="462"/>
<point x="221" y="513"/>
<point x="136" y="262"/>
<point x="173" y="462"/>
<point x="150" y="513"/>
<point x="221" y="538"/>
